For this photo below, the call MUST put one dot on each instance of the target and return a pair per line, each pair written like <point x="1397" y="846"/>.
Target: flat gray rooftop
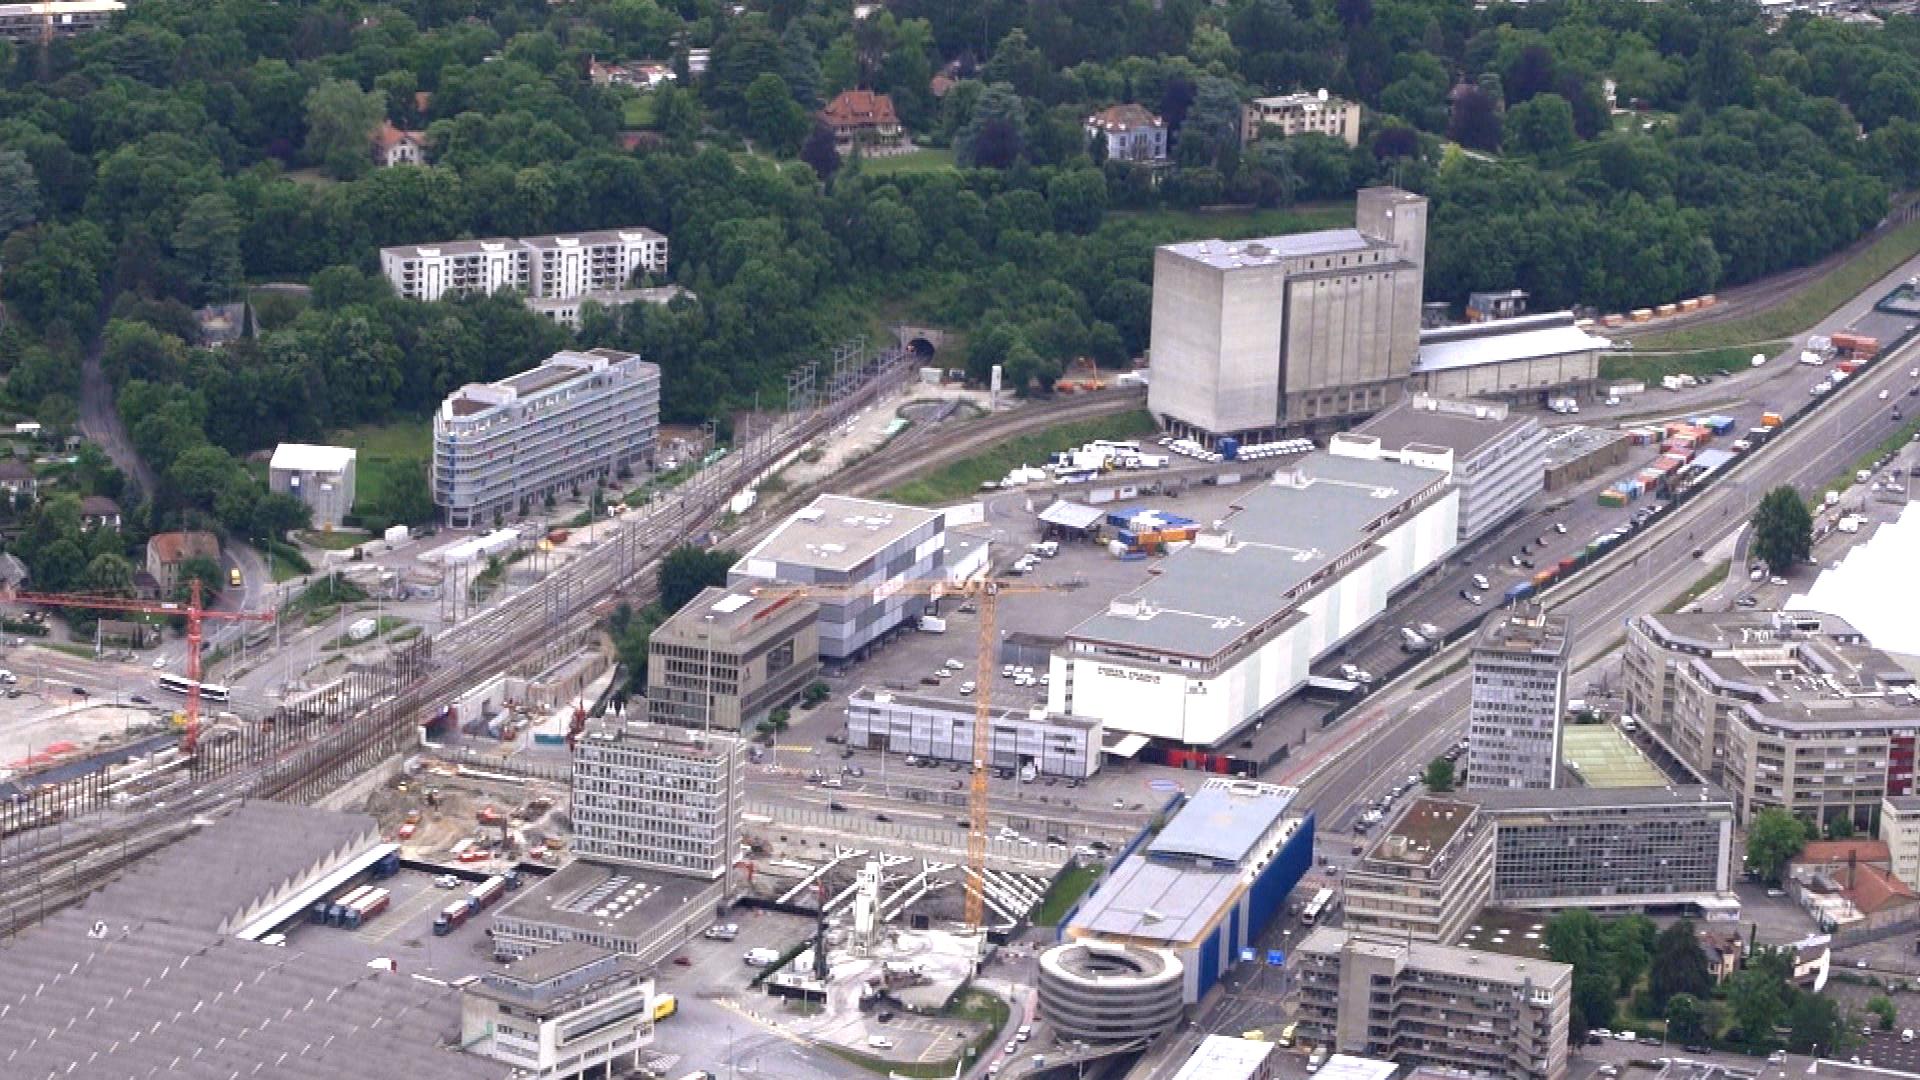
<point x="1198" y="603"/>
<point x="597" y="237"/>
<point x="1223" y="821"/>
<point x="148" y="998"/>
<point x="997" y="714"/>
<point x="1514" y="800"/>
<point x="1464" y="431"/>
<point x="1271" y="250"/>
<point x="453" y="247"/>
<point x="729" y="611"/>
<point x="1491" y="967"/>
<point x="1525" y="629"/>
<point x="246" y="855"/>
<point x="1154" y="902"/>
<point x="602" y="897"/>
<point x="836" y="533"/>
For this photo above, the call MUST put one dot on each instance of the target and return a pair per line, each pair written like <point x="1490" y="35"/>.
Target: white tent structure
<point x="1876" y="587"/>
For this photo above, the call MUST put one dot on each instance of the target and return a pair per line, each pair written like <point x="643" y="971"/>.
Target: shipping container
<point x="1612" y="498"/>
<point x="1771" y="419"/>
<point x="451" y="917"/>
<point x="337" y="911"/>
<point x="1544" y="578"/>
<point x="1569" y="565"/>
<point x="1519" y="592"/>
<point x="487" y="892"/>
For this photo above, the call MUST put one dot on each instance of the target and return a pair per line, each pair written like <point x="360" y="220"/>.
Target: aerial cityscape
<point x="1142" y="540"/>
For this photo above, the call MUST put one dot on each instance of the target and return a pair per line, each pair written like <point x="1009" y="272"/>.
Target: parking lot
<point x="404" y="932"/>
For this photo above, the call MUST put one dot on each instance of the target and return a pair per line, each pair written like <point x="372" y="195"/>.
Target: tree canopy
<point x="192" y="148"/>
<point x="1782" y="529"/>
<point x="1773" y="837"/>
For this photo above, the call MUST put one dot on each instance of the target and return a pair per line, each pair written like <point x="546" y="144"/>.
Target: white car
<point x="160" y="663"/>
<point x="446" y="881"/>
<point x="966" y="688"/>
<point x="1883" y="395"/>
<point x="879" y="1042"/>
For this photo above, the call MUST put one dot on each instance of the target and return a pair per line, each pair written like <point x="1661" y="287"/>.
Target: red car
<point x="681" y="961"/>
<point x="475" y="855"/>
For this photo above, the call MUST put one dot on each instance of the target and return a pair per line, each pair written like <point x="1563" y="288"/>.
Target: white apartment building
<point x="1483" y="1013"/>
<point x="659" y="797"/>
<point x="1789" y="709"/>
<point x="1495" y="456"/>
<point x="577" y="418"/>
<point x="1427" y="875"/>
<point x="559" y="1012"/>
<point x="1900" y="831"/>
<point x="1519" y="693"/>
<point x="1318" y="113"/>
<point x="560" y="266"/>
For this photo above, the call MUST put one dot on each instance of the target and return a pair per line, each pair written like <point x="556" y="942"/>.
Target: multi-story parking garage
<point x="1105" y="991"/>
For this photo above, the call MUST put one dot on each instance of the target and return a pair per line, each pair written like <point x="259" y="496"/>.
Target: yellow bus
<point x="233" y="576"/>
<point x="1286" y="1035"/>
<point x="664" y="1006"/>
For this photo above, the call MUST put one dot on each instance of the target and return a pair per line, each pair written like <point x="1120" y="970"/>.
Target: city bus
<point x="178" y="684"/>
<point x="1316" y="907"/>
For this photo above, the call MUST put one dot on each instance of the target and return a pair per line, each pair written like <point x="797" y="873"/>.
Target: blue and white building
<point x="1207" y="885"/>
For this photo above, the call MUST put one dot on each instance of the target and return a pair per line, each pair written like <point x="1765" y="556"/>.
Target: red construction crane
<point x="191" y="609"/>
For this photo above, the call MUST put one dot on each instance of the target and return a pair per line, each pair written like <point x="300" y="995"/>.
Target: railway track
<point x="895" y="464"/>
<point x="38" y="875"/>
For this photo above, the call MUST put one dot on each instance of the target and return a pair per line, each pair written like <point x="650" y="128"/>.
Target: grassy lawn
<point x="1066" y="892"/>
<point x="637" y="111"/>
<point x="963" y="478"/>
<point x="1707" y="583"/>
<point x="1241" y="224"/>
<point x="339" y="540"/>
<point x="385" y="450"/>
<point x="1891" y="444"/>
<point x="920" y="161"/>
<point x="1649" y="367"/>
<point x="1805" y="308"/>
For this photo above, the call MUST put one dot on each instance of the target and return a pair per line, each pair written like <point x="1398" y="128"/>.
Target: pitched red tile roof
<point x="1827" y="852"/>
<point x="1875" y="890"/>
<point x="859" y="108"/>
<point x="1127" y="117"/>
<point x="389" y="136"/>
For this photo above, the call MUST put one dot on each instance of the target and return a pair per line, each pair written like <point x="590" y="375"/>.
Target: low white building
<point x="560" y="1012"/>
<point x="319" y="476"/>
<point x="1227" y="628"/>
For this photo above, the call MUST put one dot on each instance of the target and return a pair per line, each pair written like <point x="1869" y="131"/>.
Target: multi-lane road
<point x="1409" y="723"/>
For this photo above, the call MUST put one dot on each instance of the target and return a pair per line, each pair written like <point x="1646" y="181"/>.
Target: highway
<point x="1407" y="724"/>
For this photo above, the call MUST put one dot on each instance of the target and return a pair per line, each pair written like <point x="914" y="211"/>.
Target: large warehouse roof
<point x="834" y="533"/>
<point x="1286" y="534"/>
<point x="233" y="865"/>
<point x="1224" y="820"/>
<point x="1152" y="901"/>
<point x="1530" y="337"/>
<point x="122" y="999"/>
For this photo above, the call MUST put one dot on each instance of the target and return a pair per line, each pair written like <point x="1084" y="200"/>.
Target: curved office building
<point x="1101" y="991"/>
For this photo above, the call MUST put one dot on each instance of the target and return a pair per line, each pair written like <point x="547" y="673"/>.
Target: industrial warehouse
<point x="1193" y="655"/>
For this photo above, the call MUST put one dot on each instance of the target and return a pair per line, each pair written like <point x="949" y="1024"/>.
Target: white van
<point x="760" y="957"/>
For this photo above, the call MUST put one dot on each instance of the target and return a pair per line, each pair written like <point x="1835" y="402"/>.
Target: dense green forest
<point x="196" y="148"/>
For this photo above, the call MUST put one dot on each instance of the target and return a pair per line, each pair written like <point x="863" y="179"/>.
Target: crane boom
<point x="191" y="609"/>
<point x="988" y="591"/>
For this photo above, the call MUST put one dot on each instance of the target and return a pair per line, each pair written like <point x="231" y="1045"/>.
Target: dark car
<point x="682" y="961"/>
<point x="885" y="1016"/>
<point x="883" y="819"/>
<point x="78" y="692"/>
<point x="138" y="700"/>
<point x="836" y="808"/>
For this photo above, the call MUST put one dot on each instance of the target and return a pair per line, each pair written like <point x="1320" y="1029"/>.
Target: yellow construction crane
<point x="987" y="593"/>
